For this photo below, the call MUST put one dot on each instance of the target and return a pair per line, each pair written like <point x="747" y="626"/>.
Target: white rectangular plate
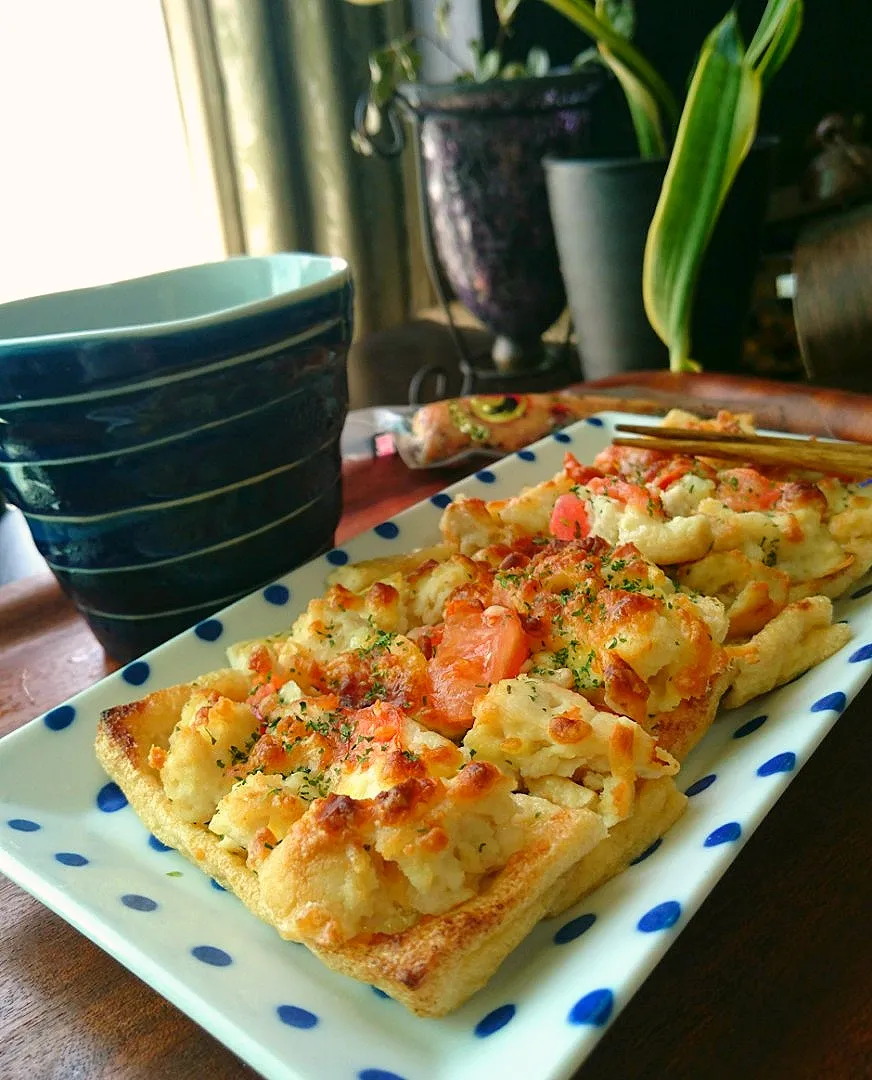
<point x="67" y="837"/>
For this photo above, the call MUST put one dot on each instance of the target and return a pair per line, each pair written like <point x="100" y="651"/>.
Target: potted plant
<point x="693" y="173"/>
<point x="481" y="140"/>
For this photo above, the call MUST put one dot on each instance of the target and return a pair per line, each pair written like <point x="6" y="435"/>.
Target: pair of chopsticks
<point x="852" y="460"/>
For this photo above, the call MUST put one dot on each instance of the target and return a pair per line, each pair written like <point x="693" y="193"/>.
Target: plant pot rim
<point x="556" y="161"/>
<point x="537" y="93"/>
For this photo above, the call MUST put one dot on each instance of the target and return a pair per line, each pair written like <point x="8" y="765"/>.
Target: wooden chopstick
<point x="843" y="459"/>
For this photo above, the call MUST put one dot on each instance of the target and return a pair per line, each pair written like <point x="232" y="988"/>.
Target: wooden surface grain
<point x="769" y="981"/>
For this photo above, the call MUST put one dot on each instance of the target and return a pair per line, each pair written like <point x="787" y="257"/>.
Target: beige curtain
<point x="267" y="90"/>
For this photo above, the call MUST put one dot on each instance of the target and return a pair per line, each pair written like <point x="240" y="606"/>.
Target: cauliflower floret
<point x="211" y="734"/>
<point x="352" y="866"/>
<point x="533" y="728"/>
<point x="262" y="806"/>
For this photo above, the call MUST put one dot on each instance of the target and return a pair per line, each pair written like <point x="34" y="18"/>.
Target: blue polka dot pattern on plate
<point x="561" y="436"/>
<point x="158" y="845"/>
<point x="387" y="530"/>
<point x="861" y="592"/>
<point x="208" y="954"/>
<point x="209" y="629"/>
<point x="785" y="762"/>
<point x="110" y="798"/>
<point x="21" y="824"/>
<point x="337" y="557"/>
<point x="648" y="852"/>
<point x="750" y="727"/>
<point x="441" y="499"/>
<point x="863" y="653"/>
<point x="574" y="928"/>
<point x="660" y="917"/>
<point x="217" y="885"/>
<point x="295" y="1017"/>
<point x="723" y="834"/>
<point x="380" y="993"/>
<point x="71" y="858"/>
<point x="594" y="421"/>
<point x="700" y="785"/>
<point x="138" y="903"/>
<point x="60" y="718"/>
<point x="486" y="476"/>
<point x="834" y="702"/>
<point x="526" y="455"/>
<point x="494" y="1021"/>
<point x="277" y="594"/>
<point x="594" y="1008"/>
<point x="377" y="1074"/>
<point x="136" y="673"/>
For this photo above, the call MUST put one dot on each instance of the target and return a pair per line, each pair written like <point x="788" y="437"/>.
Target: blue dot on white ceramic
<point x="574" y="928"/>
<point x="861" y="592"/>
<point x="277" y="594"/>
<point x="209" y="629"/>
<point x="750" y="727"/>
<point x="377" y="1074"/>
<point x="337" y="557"/>
<point x="387" y="530"/>
<point x="486" y="476"/>
<point x="594" y="1008"/>
<point x="110" y="798"/>
<point x="660" y="917"/>
<point x="60" y="718"/>
<point x="209" y="954"/>
<point x="217" y="885"/>
<point x="834" y="702"/>
<point x="21" y="824"/>
<point x="71" y="858"/>
<point x="648" y="852"/>
<point x="295" y="1017"/>
<point x="379" y="992"/>
<point x="139" y="903"/>
<point x="441" y="499"/>
<point x="158" y="845"/>
<point x="785" y="762"/>
<point x="723" y="834"/>
<point x="698" y="786"/>
<point x="561" y="436"/>
<point x="863" y="653"/>
<point x="136" y="673"/>
<point x="526" y="455"/>
<point x="494" y="1020"/>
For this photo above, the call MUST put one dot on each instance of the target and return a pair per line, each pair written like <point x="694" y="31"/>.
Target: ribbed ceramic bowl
<point x="173" y="441"/>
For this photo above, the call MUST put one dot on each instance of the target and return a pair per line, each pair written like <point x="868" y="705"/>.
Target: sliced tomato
<point x="478" y="648"/>
<point x="578" y="473"/>
<point x="569" y="519"/>
<point x="747" y="489"/>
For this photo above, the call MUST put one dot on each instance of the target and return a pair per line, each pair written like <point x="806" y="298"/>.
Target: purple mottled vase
<point x="481" y="147"/>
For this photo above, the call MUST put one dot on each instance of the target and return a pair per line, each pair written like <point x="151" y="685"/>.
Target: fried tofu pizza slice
<point x="421" y="882"/>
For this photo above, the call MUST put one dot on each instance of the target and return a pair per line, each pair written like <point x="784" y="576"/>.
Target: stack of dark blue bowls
<point x="173" y="441"/>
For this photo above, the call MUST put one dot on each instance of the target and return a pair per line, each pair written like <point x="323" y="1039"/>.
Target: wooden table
<point x="771" y="980"/>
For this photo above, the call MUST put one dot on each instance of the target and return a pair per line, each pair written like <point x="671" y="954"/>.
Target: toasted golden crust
<point x="431" y="967"/>
<point x="659" y="804"/>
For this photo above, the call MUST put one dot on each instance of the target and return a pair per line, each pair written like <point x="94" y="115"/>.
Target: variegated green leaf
<point x="716" y="132"/>
<point x="776" y="45"/>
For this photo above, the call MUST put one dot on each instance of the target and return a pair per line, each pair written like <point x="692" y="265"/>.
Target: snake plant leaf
<point x="583" y="14"/>
<point x="716" y="132"/>
<point x="768" y="50"/>
<point x="644" y="110"/>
